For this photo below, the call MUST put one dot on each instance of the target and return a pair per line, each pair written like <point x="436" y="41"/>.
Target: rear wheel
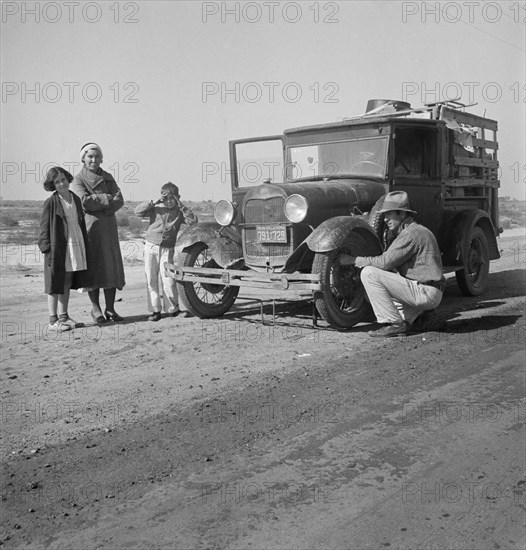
<point x="206" y="300"/>
<point x="342" y="302"/>
<point x="475" y="258"/>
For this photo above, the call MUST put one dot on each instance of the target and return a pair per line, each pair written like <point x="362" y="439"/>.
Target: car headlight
<point x="224" y="212"/>
<point x="296" y="208"/>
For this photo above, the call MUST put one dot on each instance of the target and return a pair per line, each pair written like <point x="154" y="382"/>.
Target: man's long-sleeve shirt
<point x="414" y="254"/>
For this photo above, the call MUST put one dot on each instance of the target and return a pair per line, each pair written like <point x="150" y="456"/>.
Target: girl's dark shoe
<point x="113" y="316"/>
<point x="155" y="316"/>
<point x="100" y="319"/>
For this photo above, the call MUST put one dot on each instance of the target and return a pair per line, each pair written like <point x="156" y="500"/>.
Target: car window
<point x="365" y="157"/>
<point x="415" y="153"/>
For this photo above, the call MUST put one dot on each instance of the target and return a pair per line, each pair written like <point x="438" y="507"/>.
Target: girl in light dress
<point x="63" y="241"/>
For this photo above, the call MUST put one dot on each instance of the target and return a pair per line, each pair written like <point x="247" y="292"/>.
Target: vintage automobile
<point x="302" y="200"/>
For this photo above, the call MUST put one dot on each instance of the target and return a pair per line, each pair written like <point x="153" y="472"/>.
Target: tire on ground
<point x="473" y="278"/>
<point x="205" y="300"/>
<point x="342" y="300"/>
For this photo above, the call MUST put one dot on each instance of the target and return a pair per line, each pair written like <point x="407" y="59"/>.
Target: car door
<point x="416" y="169"/>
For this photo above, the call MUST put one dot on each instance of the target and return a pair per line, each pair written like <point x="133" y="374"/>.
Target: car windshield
<point x="338" y="159"/>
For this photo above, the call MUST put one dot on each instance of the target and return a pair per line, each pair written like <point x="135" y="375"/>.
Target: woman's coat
<point x="101" y="198"/>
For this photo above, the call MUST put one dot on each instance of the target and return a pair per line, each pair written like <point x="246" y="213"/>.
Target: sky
<point x="162" y="86"/>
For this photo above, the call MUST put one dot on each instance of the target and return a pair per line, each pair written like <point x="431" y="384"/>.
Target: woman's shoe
<point x="113" y="316"/>
<point x="100" y="319"/>
<point x="155" y="316"/>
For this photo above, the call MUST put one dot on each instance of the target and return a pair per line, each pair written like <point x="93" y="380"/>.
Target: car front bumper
<point x="244" y="278"/>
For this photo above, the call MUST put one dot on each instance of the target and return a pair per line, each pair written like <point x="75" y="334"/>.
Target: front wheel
<point x="206" y="300"/>
<point x="342" y="300"/>
<point x="475" y="258"/>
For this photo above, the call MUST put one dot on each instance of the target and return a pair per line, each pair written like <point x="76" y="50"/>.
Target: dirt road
<point x="236" y="434"/>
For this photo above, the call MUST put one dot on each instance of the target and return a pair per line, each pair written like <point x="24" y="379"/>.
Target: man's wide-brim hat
<point x="397" y="200"/>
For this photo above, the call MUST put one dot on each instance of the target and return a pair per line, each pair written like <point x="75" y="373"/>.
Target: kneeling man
<point x="406" y="280"/>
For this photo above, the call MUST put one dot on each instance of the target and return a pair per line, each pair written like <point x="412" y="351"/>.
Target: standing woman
<point x="63" y="241"/>
<point x="101" y="198"/>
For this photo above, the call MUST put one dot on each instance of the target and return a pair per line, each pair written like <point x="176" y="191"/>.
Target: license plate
<point x="271" y="233"/>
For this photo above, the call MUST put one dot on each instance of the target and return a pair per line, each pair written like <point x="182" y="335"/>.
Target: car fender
<point x="460" y="225"/>
<point x="224" y="243"/>
<point x="332" y="233"/>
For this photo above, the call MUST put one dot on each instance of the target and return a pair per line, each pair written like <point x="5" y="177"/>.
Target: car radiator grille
<point x="265" y="211"/>
<point x="260" y="212"/>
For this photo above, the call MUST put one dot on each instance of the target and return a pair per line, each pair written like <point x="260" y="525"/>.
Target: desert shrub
<point x="19" y="236"/>
<point x="123" y="221"/>
<point x="123" y="217"/>
<point x="8" y="220"/>
<point x="32" y="215"/>
<point x="136" y="226"/>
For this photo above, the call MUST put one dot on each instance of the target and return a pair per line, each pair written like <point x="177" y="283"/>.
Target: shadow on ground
<point x="501" y="286"/>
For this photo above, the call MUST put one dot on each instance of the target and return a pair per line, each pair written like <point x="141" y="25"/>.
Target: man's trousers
<point x="396" y="299"/>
